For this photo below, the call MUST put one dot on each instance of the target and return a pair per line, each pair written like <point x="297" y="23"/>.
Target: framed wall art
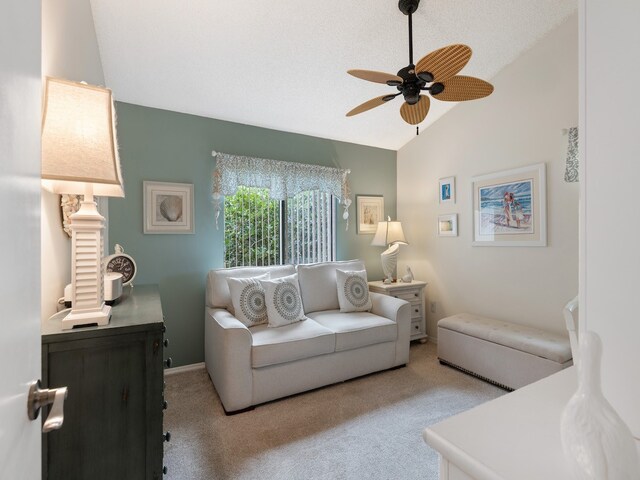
<point x="510" y="208"/>
<point x="448" y="225"/>
<point x="447" y="190"/>
<point x="369" y="211"/>
<point x="168" y="207"/>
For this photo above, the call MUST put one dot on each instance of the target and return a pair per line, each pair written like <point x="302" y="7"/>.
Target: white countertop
<point x="516" y="436"/>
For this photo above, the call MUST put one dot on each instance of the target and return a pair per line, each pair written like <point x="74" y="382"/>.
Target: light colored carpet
<point x="366" y="428"/>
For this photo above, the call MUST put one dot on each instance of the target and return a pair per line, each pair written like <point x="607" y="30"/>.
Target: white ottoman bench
<point x="508" y="355"/>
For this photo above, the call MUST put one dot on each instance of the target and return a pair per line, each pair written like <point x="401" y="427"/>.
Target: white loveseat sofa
<point x="249" y="366"/>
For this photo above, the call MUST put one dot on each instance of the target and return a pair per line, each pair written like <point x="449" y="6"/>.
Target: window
<point x="261" y="231"/>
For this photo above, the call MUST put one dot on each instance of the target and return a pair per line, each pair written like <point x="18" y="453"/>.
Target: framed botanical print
<point x="369" y="211"/>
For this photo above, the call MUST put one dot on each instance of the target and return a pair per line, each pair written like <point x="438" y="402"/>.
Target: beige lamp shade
<point x="389" y="233"/>
<point x="79" y="144"/>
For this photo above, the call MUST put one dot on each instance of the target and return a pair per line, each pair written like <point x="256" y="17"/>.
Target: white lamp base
<point x="87" y="278"/>
<point x="389" y="260"/>
<point x="98" y="317"/>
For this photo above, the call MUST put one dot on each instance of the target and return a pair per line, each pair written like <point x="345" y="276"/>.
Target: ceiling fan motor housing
<point x="408" y="6"/>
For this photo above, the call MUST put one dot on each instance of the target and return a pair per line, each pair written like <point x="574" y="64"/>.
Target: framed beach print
<point x="447" y="190"/>
<point x="369" y="211"/>
<point x="448" y="225"/>
<point x="510" y="208"/>
<point x="168" y="207"/>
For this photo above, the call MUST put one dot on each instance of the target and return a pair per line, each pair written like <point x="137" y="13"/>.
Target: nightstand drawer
<point x="416" y="327"/>
<point x="416" y="311"/>
<point x="408" y="296"/>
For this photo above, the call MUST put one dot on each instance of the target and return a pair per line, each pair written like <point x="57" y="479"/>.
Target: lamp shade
<point x="388" y="233"/>
<point x="79" y="144"/>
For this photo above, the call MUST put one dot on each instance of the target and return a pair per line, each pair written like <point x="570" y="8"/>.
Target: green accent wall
<point x="161" y="145"/>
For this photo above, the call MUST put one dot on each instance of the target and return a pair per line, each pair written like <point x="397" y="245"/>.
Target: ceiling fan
<point x="435" y="73"/>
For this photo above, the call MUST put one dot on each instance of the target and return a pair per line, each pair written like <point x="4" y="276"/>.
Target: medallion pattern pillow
<point x="282" y="296"/>
<point x="247" y="297"/>
<point x="353" y="291"/>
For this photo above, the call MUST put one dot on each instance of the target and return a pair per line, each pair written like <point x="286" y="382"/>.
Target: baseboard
<point x="433" y="340"/>
<point x="184" y="368"/>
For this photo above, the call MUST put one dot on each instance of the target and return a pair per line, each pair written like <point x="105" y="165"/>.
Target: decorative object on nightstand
<point x="389" y="234"/>
<point x="80" y="156"/>
<point x="408" y="278"/>
<point x="413" y="293"/>
<point x="122" y="263"/>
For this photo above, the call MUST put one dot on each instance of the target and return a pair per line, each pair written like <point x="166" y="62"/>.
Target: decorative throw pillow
<point x="353" y="291"/>
<point x="247" y="297"/>
<point x="282" y="296"/>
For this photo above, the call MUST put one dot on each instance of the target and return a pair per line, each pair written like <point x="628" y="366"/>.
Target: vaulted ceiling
<point x="282" y="64"/>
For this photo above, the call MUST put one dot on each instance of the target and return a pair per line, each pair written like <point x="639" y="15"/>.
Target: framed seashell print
<point x="168" y="207"/>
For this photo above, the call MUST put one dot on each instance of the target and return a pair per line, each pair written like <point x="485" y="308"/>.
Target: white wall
<point x="519" y="124"/>
<point x="610" y="257"/>
<point x="69" y="50"/>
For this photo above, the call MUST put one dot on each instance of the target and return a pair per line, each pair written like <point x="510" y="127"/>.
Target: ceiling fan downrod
<point x="408" y="7"/>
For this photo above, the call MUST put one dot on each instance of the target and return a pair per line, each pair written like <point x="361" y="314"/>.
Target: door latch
<point x="39" y="397"/>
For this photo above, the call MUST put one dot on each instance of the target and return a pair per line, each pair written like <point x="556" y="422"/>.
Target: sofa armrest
<point x="399" y="311"/>
<point x="386" y="306"/>
<point x="227" y="351"/>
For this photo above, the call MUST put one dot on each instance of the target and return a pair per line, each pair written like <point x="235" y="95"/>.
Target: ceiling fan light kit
<point x="435" y="73"/>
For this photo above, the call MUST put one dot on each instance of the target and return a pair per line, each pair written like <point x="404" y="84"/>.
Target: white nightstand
<point x="411" y="292"/>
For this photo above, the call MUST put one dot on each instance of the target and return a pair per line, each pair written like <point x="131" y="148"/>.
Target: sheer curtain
<point x="283" y="179"/>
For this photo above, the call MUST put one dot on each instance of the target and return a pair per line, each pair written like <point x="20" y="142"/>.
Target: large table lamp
<point x="389" y="234"/>
<point x="80" y="156"/>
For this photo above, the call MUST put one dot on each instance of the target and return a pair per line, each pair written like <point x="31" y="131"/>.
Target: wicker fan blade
<point x="368" y="105"/>
<point x="461" y="88"/>
<point x="445" y="62"/>
<point x="377" y="77"/>
<point x="414" y="114"/>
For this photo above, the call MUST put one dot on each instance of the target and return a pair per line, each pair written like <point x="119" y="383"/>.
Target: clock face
<point x="122" y="264"/>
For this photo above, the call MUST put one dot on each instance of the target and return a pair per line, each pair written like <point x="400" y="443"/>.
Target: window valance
<point x="283" y="179"/>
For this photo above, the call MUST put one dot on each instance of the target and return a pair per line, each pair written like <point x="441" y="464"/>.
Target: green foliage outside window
<point x="251" y="228"/>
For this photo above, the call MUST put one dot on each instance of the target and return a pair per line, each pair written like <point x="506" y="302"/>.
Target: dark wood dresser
<point x="113" y="413"/>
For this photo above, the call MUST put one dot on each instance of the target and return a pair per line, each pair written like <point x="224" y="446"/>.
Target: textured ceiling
<point x="282" y="64"/>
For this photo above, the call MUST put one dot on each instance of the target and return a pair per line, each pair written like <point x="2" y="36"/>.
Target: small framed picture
<point x="168" y="207"/>
<point x="448" y="225"/>
<point x="447" y="190"/>
<point x="369" y="211"/>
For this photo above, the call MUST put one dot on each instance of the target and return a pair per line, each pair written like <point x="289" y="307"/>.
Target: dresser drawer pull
<point x="168" y="362"/>
<point x="166" y="437"/>
<point x="166" y="343"/>
<point x="165" y="404"/>
<point x="417" y="310"/>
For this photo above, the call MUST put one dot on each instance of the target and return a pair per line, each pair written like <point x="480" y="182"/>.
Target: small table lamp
<point x="391" y="234"/>
<point x="80" y="156"/>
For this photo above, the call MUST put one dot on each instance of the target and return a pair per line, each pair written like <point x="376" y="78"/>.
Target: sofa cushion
<point x="318" y="284"/>
<point x="356" y="329"/>
<point x="248" y="299"/>
<point x="353" y="291"/>
<point x="296" y="341"/>
<point x="282" y="299"/>
<point x="217" y="294"/>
